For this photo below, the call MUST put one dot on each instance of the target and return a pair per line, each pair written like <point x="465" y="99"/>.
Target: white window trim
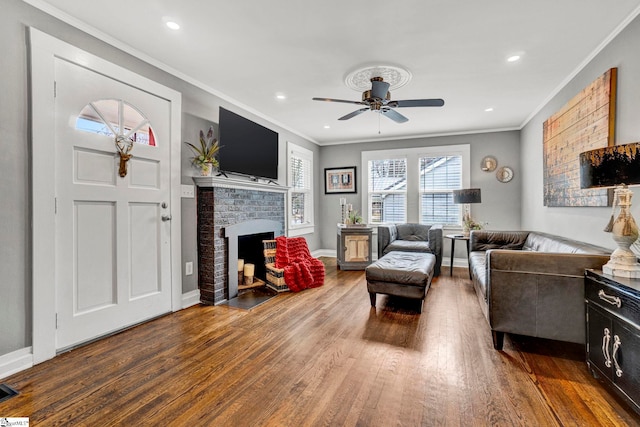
<point x="366" y="194"/>
<point x="308" y="228"/>
<point x="413" y="164"/>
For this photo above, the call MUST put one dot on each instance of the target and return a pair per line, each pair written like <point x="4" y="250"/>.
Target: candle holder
<point x="343" y="210"/>
<point x="249" y="270"/>
<point x="240" y="271"/>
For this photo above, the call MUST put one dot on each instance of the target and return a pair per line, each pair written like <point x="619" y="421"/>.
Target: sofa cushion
<point x="408" y="246"/>
<point x="541" y="242"/>
<point x="478" y="264"/>
<point x="413" y="232"/>
<point x="485" y="240"/>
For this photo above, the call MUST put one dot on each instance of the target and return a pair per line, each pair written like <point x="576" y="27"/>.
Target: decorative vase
<point x="206" y="169"/>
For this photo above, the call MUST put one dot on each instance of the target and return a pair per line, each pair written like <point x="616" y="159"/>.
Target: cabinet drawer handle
<point x="610" y="299"/>
<point x="616" y="346"/>
<point x="605" y="347"/>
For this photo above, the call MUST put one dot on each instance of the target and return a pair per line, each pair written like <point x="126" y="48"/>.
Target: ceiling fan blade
<point x="394" y="115"/>
<point x="417" y="103"/>
<point x="340" y="100"/>
<point x="379" y="89"/>
<point x="353" y="114"/>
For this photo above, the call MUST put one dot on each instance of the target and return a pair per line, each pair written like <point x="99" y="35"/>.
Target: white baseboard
<point x="324" y="252"/>
<point x="191" y="298"/>
<point x="16" y="361"/>
<point x="457" y="262"/>
<point x="446" y="262"/>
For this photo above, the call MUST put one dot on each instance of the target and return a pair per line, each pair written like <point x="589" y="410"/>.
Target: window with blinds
<point x="300" y="179"/>
<point x="387" y="190"/>
<point x="439" y="176"/>
<point x="415" y="184"/>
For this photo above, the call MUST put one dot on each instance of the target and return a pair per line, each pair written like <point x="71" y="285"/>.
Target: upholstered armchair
<point x="411" y="238"/>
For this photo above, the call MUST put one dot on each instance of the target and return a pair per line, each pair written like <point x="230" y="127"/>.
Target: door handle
<point x="166" y="217"/>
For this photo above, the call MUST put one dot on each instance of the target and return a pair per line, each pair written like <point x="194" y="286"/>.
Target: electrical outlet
<point x="187" y="191"/>
<point x="188" y="268"/>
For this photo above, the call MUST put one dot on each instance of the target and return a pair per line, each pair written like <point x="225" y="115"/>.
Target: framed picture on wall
<point x="340" y="180"/>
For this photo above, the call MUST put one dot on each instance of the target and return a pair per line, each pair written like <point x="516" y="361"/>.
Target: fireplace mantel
<point x="220" y="181"/>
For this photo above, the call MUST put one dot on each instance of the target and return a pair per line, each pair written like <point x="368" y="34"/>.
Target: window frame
<point x="369" y="193"/>
<point x="308" y="227"/>
<point x="448" y="191"/>
<point x="413" y="193"/>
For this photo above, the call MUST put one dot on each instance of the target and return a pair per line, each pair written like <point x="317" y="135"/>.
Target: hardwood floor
<point x="319" y="357"/>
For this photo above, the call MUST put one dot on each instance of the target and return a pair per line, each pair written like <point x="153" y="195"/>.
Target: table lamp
<point x="616" y="166"/>
<point x="465" y="197"/>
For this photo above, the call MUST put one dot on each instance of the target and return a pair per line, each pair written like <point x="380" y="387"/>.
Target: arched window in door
<point x="115" y="117"/>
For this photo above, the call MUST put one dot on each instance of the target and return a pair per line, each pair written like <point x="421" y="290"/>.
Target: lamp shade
<point x="467" y="195"/>
<point x="610" y="166"/>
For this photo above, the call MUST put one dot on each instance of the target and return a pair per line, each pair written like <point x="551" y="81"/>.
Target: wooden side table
<point x="354" y="247"/>
<point x="453" y="238"/>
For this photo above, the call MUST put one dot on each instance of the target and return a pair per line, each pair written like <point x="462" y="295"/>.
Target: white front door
<point x="112" y="232"/>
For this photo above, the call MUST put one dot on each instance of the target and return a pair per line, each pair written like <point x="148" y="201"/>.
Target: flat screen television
<point x="246" y="147"/>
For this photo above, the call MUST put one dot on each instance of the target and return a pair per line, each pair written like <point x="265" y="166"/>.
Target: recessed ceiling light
<point x="173" y="25"/>
<point x="488" y="110"/>
<point x="327" y="127"/>
<point x="281" y="96"/>
<point x="513" y="58"/>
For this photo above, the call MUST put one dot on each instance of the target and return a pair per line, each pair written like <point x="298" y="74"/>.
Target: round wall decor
<point x="489" y="164"/>
<point x="504" y="174"/>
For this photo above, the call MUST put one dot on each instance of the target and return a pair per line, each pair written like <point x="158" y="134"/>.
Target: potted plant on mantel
<point x="205" y="155"/>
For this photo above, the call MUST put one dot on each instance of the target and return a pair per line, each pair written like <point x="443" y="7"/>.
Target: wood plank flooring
<point x="321" y="357"/>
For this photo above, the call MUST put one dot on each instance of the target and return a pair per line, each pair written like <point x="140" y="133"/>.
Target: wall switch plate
<point x="187" y="191"/>
<point x="188" y="268"/>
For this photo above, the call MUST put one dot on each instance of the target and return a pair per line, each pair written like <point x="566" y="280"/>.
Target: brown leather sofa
<point x="531" y="283"/>
<point x="411" y="238"/>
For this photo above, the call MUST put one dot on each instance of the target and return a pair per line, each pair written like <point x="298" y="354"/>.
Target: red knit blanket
<point x="301" y="270"/>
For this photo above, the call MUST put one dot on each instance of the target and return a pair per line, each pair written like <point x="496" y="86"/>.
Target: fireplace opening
<point x="250" y="249"/>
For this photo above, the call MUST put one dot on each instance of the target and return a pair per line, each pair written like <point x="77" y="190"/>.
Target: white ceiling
<point x="249" y="50"/>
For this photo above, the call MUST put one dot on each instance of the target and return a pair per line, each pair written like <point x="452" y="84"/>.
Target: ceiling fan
<point x="378" y="98"/>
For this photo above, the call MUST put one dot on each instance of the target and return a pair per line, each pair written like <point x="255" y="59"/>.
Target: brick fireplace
<point x="229" y="208"/>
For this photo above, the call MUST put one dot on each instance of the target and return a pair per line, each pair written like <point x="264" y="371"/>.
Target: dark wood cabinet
<point x="354" y="247"/>
<point x="613" y="333"/>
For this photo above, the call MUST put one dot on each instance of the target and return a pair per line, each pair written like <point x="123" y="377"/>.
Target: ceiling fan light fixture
<point x="360" y="79"/>
<point x="377" y="97"/>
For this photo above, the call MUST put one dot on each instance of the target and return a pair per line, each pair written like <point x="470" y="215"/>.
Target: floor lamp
<point x="616" y="167"/>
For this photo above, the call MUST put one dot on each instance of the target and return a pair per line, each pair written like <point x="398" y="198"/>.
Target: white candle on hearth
<point x="249" y="269"/>
<point x="343" y="201"/>
<point x="240" y="264"/>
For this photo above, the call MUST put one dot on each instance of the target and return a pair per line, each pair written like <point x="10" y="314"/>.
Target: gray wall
<point x="585" y="224"/>
<point x="202" y="116"/>
<point x="500" y="205"/>
<point x="15" y="259"/>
